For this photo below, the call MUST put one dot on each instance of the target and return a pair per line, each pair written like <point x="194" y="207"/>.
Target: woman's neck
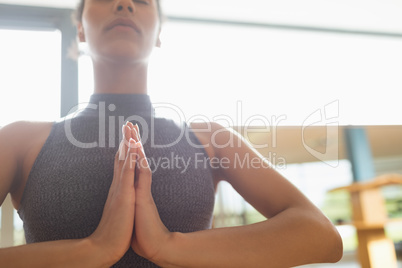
<point x="120" y="78"/>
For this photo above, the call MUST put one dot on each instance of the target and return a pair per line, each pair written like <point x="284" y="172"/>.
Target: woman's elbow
<point x="337" y="247"/>
<point x="324" y="242"/>
<point x="331" y="243"/>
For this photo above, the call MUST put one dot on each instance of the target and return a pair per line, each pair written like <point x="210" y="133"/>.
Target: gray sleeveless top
<point x="70" y="179"/>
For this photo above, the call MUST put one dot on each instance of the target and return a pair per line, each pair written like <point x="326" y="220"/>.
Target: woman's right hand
<point x="113" y="234"/>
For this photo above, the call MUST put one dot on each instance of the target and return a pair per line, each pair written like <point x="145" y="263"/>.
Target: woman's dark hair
<point x="80" y="10"/>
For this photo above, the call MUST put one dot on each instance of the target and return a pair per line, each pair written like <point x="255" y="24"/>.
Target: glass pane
<point x="85" y="75"/>
<point x="206" y="69"/>
<point x="30" y="75"/>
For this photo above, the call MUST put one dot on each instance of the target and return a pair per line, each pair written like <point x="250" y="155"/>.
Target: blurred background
<point x="313" y="85"/>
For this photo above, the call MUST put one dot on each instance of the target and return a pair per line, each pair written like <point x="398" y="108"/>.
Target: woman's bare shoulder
<point x="204" y="131"/>
<point x="24" y="129"/>
<point x="20" y="135"/>
<point x="206" y="128"/>
<point x="215" y="134"/>
<point x="16" y="139"/>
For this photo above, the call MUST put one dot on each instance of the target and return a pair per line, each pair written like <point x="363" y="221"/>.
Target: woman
<point x="80" y="208"/>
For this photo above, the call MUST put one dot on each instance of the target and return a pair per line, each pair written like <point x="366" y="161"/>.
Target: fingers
<point x="128" y="151"/>
<point x="143" y="173"/>
<point x="134" y="131"/>
<point x="128" y="168"/>
<point x="143" y="184"/>
<point x="127" y="135"/>
<point x="121" y="157"/>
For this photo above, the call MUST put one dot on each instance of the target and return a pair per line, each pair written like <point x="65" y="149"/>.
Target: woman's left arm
<point x="295" y="233"/>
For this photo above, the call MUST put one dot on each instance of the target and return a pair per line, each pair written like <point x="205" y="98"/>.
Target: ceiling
<point x="360" y="15"/>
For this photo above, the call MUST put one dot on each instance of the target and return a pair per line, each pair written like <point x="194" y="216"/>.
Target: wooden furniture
<point x="375" y="250"/>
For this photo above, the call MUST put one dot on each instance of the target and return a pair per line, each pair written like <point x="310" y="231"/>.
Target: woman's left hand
<point x="150" y="235"/>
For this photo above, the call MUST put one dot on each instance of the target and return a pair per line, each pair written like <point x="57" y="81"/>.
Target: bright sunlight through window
<point x="30" y="75"/>
<point x="206" y="69"/>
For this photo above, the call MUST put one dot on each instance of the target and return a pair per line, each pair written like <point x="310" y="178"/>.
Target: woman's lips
<point x="122" y="24"/>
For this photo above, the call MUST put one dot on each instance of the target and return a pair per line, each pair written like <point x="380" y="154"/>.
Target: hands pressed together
<point x="130" y="217"/>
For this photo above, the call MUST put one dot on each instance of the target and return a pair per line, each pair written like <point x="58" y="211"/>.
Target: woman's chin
<point x="121" y="56"/>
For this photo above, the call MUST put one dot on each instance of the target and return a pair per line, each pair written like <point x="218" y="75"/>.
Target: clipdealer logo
<point x="326" y="116"/>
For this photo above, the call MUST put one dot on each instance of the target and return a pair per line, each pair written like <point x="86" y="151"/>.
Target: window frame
<point x="19" y="17"/>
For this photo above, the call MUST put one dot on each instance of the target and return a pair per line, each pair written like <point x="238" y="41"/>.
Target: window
<point x="28" y="72"/>
<point x="205" y="69"/>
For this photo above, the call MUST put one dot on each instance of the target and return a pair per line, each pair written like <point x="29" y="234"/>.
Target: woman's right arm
<point x="62" y="253"/>
<point x="110" y="240"/>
